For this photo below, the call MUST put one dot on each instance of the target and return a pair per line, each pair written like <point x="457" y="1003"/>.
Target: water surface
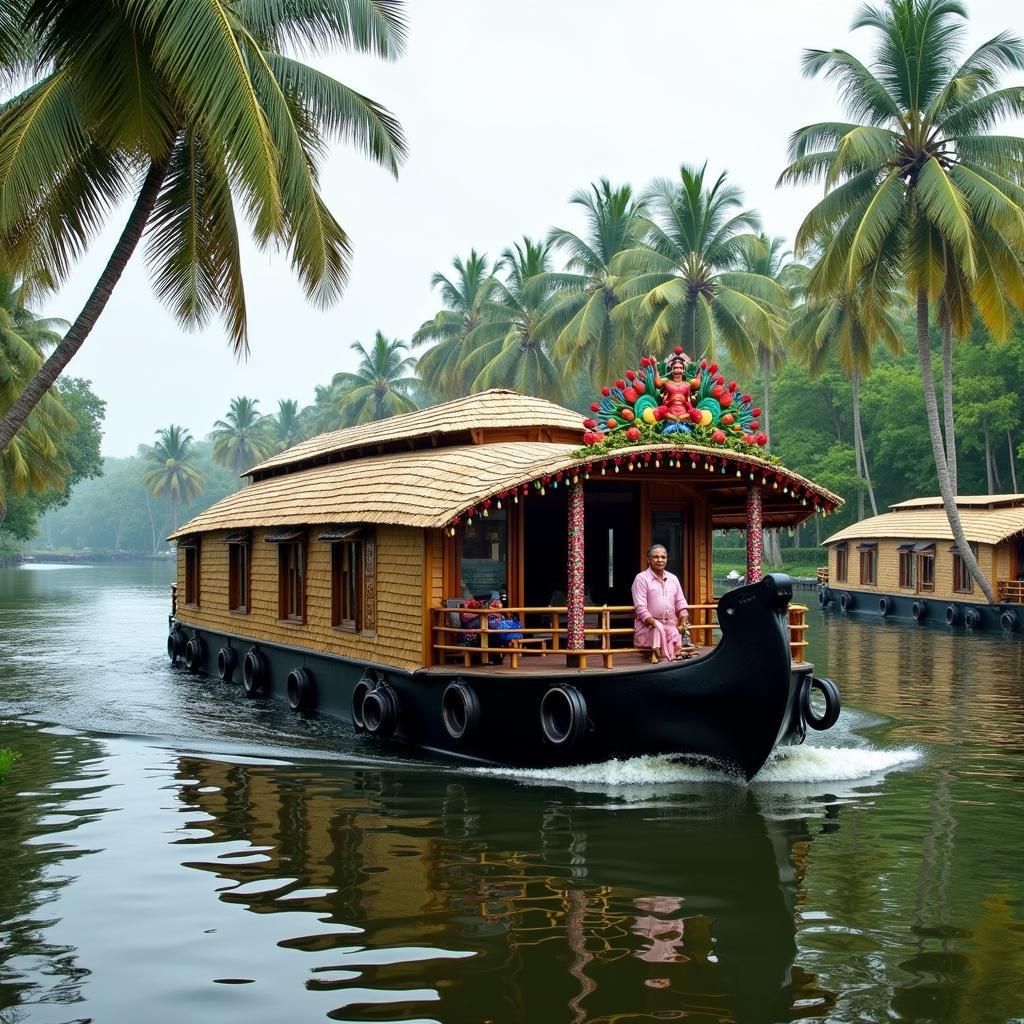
<point x="170" y="850"/>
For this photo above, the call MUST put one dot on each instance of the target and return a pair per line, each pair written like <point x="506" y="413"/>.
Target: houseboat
<point x="905" y="565"/>
<point x="458" y="579"/>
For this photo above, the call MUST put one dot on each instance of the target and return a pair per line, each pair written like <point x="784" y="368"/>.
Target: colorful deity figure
<point x="675" y="389"/>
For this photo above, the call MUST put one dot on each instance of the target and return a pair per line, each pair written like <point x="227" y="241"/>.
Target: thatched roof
<point x="964" y="501"/>
<point x="461" y="421"/>
<point x="432" y="487"/>
<point x="924" y="519"/>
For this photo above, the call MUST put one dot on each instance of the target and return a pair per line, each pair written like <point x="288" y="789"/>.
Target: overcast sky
<point x="508" y="109"/>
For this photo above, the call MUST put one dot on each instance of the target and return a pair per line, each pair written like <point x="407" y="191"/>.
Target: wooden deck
<point x="553" y="665"/>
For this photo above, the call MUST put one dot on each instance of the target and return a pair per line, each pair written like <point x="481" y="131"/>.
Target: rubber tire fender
<point x="227" y="659"/>
<point x="563" y="715"/>
<point x="919" y="611"/>
<point x="884" y="606"/>
<point x="846" y="601"/>
<point x="301" y="689"/>
<point x="254" y="672"/>
<point x="195" y="651"/>
<point x="460" y="710"/>
<point x="359" y="692"/>
<point x="952" y="614"/>
<point x="380" y="711"/>
<point x="972" y="618"/>
<point x="833" y="705"/>
<point x="175" y="644"/>
<point x="823" y="596"/>
<point x="1009" y="621"/>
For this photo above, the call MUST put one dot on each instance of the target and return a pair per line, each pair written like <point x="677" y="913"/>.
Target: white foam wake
<point x="808" y="764"/>
<point x="804" y="764"/>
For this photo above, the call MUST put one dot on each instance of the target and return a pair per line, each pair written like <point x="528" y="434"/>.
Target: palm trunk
<point x="15" y="417"/>
<point x="860" y="455"/>
<point x="946" y="330"/>
<point x="1013" y="464"/>
<point x="766" y="418"/>
<point x="924" y="355"/>
<point x="988" y="460"/>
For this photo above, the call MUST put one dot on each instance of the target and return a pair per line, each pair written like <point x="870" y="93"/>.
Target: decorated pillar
<point x="574" y="600"/>
<point x="755" y="534"/>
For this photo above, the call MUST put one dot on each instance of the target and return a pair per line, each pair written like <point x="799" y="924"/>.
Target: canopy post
<point x="755" y="534"/>
<point x="574" y="636"/>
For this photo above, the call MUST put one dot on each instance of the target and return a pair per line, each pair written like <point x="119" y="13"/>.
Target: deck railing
<point x="608" y="631"/>
<point x="1010" y="591"/>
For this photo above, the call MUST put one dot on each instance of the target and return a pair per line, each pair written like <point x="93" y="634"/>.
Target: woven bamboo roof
<point x="429" y="488"/>
<point x="981" y="525"/>
<point x="965" y="501"/>
<point x="497" y="409"/>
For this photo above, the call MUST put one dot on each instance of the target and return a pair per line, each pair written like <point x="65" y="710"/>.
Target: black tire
<point x="563" y="716"/>
<point x="380" y="711"/>
<point x="362" y="688"/>
<point x="227" y="659"/>
<point x="1009" y="621"/>
<point x="919" y="611"/>
<point x="833" y="705"/>
<point x="460" y="710"/>
<point x="972" y="618"/>
<point x="254" y="672"/>
<point x="175" y="645"/>
<point x="952" y="614"/>
<point x="301" y="690"/>
<point x="884" y="606"/>
<point x="195" y="652"/>
<point x="846" y="602"/>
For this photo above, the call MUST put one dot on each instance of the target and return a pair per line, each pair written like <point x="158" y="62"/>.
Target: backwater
<point x="170" y="850"/>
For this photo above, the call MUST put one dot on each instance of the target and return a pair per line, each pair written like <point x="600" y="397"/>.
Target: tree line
<point x="916" y="242"/>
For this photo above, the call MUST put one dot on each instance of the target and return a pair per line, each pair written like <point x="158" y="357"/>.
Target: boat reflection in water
<point x="545" y="897"/>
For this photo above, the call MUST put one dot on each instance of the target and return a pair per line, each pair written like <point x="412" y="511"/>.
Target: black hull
<point x="967" y="616"/>
<point x="732" y="706"/>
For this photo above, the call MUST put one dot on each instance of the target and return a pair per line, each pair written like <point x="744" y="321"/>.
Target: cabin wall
<point x="991" y="559"/>
<point x="398" y="638"/>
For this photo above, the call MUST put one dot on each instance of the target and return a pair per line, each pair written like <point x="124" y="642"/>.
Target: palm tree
<point x="579" y="315"/>
<point x="685" y="285"/>
<point x="463" y="296"/>
<point x="381" y="385"/>
<point x="287" y="426"/>
<point x="173" y="472"/>
<point x="243" y="438"/>
<point x="33" y="461"/>
<point x="193" y="107"/>
<point x="916" y="187"/>
<point x="845" y="326"/>
<point x="511" y="348"/>
<point x="766" y="256"/>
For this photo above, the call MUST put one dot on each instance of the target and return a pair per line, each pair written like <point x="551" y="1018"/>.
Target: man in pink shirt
<point x="661" y="609"/>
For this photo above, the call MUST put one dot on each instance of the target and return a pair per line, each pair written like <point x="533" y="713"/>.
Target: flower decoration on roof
<point x="675" y="400"/>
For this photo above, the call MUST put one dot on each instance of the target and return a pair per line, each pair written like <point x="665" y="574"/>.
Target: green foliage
<point x="8" y="758"/>
<point x="78" y="451"/>
<point x="381" y="385"/>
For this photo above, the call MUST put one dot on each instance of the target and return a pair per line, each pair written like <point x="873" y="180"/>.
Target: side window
<point x="192" y="573"/>
<point x="841" y="566"/>
<point x="291" y="579"/>
<point x="353" y="578"/>
<point x="238" y="576"/>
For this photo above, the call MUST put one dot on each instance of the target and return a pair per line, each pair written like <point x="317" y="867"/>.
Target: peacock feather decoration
<point x="676" y="397"/>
